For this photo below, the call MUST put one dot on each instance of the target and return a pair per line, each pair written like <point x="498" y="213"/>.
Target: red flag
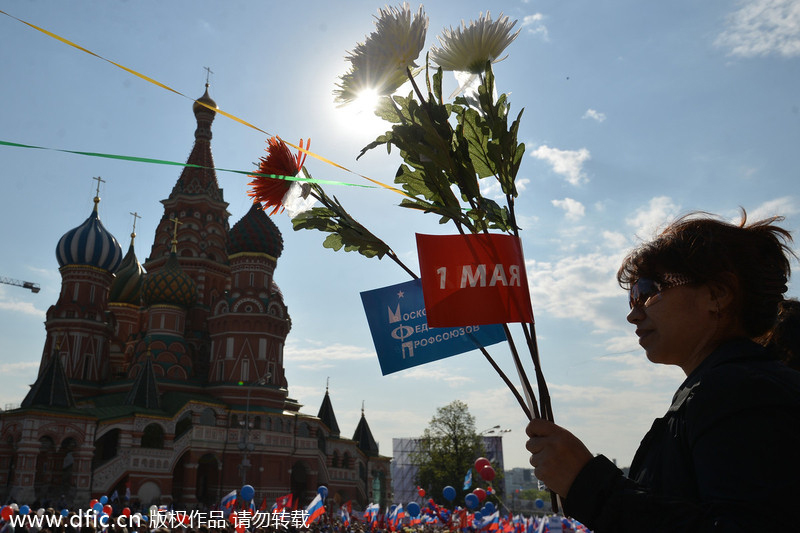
<point x="473" y="279"/>
<point x="284" y="502"/>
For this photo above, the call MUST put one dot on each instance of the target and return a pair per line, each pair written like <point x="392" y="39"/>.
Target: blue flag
<point x="468" y="480"/>
<point x="397" y="321"/>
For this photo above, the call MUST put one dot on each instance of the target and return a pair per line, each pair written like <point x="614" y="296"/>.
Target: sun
<point x="360" y="116"/>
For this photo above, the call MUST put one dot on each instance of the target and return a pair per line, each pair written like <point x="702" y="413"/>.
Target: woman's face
<point x="677" y="326"/>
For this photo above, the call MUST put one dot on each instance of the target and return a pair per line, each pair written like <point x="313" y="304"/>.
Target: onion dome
<point x="169" y="285"/>
<point x="127" y="286"/>
<point x="90" y="244"/>
<point x="205" y="99"/>
<point x="255" y="232"/>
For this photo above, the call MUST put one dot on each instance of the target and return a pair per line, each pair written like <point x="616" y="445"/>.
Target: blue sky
<point x="635" y="112"/>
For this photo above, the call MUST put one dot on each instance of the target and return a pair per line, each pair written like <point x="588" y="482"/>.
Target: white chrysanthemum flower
<point x="380" y="62"/>
<point x="468" y="48"/>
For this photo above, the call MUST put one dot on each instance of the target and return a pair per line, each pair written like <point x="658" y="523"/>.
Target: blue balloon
<point x="449" y="493"/>
<point x="490" y="507"/>
<point x="104" y="499"/>
<point x="477" y="515"/>
<point x="64" y="512"/>
<point x="472" y="501"/>
<point x="322" y="491"/>
<point x="539" y="503"/>
<point x="97" y="508"/>
<point x="247" y="492"/>
<point x="413" y="509"/>
<point x="24" y="509"/>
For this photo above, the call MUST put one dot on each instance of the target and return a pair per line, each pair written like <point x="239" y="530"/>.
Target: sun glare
<point x="366" y="102"/>
<point x="359" y="115"/>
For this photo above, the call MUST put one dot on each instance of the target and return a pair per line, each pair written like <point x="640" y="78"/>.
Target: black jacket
<point x="725" y="457"/>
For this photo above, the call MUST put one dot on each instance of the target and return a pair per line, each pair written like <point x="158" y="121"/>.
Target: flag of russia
<point x="314" y="510"/>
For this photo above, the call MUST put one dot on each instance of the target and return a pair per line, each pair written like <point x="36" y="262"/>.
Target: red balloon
<point x="108" y="509"/>
<point x="487" y="473"/>
<point x="480" y="493"/>
<point x="481" y="462"/>
<point x="421" y="492"/>
<point x="6" y="512"/>
<point x="126" y="511"/>
<point x="91" y="503"/>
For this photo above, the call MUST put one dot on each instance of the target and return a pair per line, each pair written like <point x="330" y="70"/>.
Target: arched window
<point x="335" y="459"/>
<point x="153" y="437"/>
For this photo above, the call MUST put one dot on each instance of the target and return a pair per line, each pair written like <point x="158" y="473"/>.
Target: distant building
<point x="165" y="382"/>
<point x="404" y="470"/>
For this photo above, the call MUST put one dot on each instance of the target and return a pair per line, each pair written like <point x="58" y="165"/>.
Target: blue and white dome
<point x="90" y="244"/>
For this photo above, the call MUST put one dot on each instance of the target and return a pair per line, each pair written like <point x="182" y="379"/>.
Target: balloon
<point x="480" y="462"/>
<point x="64" y="512"/>
<point x="487" y="473"/>
<point x="539" y="503"/>
<point x="126" y="512"/>
<point x="413" y="509"/>
<point x="490" y="508"/>
<point x="421" y="492"/>
<point x="6" y="512"/>
<point x="471" y="500"/>
<point x="91" y="503"/>
<point x="477" y="515"/>
<point x="480" y="493"/>
<point x="153" y="509"/>
<point x="24" y="509"/>
<point x="449" y="493"/>
<point x="322" y="491"/>
<point x="104" y="499"/>
<point x="98" y="508"/>
<point x="247" y="492"/>
<point x="108" y="509"/>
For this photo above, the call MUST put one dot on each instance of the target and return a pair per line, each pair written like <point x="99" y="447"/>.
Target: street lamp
<point x="244" y="443"/>
<point x="489" y="430"/>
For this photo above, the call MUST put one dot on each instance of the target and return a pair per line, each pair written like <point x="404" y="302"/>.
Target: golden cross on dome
<point x="209" y="72"/>
<point x="135" y="216"/>
<point x="97" y="194"/>
<point x="175" y="220"/>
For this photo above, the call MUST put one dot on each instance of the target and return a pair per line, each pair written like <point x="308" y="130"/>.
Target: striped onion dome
<point x="255" y="232"/>
<point x="90" y="244"/>
<point x="169" y="285"/>
<point x="127" y="285"/>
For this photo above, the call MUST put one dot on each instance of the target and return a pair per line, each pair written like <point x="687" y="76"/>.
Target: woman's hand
<point x="557" y="455"/>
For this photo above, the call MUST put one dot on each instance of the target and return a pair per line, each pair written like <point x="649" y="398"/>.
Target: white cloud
<point x="25" y="308"/>
<point x="319" y="353"/>
<point x="19" y="366"/>
<point x="763" y="27"/>
<point x="568" y="163"/>
<point x="578" y="287"/>
<point x="594" y="115"/>
<point x="573" y="208"/>
<point x="646" y="221"/>
<point x="490" y="187"/>
<point x="784" y="206"/>
<point x="535" y="26"/>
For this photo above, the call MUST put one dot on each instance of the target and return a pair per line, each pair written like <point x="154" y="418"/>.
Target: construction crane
<point x="34" y="287"/>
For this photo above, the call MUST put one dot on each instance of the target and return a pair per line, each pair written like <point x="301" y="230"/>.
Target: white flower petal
<point x="470" y="47"/>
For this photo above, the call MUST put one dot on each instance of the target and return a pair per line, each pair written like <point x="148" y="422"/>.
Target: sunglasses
<point x="645" y="288"/>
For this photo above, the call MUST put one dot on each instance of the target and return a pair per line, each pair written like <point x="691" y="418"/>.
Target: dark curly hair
<point x="704" y="248"/>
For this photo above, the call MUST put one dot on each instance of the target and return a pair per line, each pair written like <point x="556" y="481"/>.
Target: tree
<point x="448" y="449"/>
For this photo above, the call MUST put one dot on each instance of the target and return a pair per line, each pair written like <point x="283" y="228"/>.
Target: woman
<point x="726" y="455"/>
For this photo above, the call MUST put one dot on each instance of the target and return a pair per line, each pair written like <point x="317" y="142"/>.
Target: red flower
<point x="269" y="192"/>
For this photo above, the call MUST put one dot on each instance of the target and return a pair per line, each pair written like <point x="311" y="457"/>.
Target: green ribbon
<point x="189" y="165"/>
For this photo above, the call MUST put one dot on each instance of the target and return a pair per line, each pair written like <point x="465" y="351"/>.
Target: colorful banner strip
<point x="218" y="110"/>
<point x="190" y="165"/>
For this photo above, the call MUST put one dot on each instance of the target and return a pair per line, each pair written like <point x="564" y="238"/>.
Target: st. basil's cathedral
<point x="164" y="382"/>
